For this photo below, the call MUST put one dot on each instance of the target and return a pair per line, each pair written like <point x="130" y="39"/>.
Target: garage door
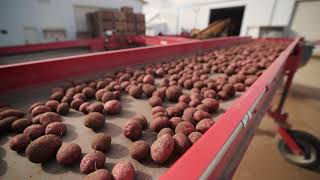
<point x="306" y="19"/>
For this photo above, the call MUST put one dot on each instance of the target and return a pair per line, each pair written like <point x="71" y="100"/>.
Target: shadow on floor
<point x="302" y="91"/>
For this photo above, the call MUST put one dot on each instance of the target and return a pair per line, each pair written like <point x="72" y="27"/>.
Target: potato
<point x="174" y="111"/>
<point x="194" y="137"/>
<point x="184" y="98"/>
<point x="250" y="80"/>
<point x="203" y="107"/>
<point x="80" y="96"/>
<point x="116" y="94"/>
<point x="100" y="174"/>
<point x="181" y="106"/>
<point x="188" y="114"/>
<point x="35" y="105"/>
<point x="43" y="149"/>
<point x="141" y="119"/>
<point x="212" y="104"/>
<point x="158" y="93"/>
<point x="162" y="148"/>
<point x="132" y="130"/>
<point x="135" y="91"/>
<point x="173" y="93"/>
<point x="92" y="161"/>
<point x="63" y="108"/>
<point x="19" y="142"/>
<point x="160" y="114"/>
<point x="155" y="101"/>
<point x="58" y="95"/>
<point x="139" y="150"/>
<point x="112" y="107"/>
<point x="188" y="84"/>
<point x="159" y="123"/>
<point x="57" y="128"/>
<point x="94" y="120"/>
<point x="223" y="95"/>
<point x="11" y="112"/>
<point x="229" y="89"/>
<point x="194" y="102"/>
<point x="101" y="142"/>
<point x="107" y="96"/>
<point x="68" y="154"/>
<point x="181" y="143"/>
<point x="53" y="104"/>
<point x="6" y="123"/>
<point x="185" y="128"/>
<point x="148" y="79"/>
<point x="66" y="99"/>
<point x="84" y="107"/>
<point x="40" y="110"/>
<point x="239" y="87"/>
<point x="204" y="125"/>
<point x="49" y="117"/>
<point x="209" y="93"/>
<point x="99" y="94"/>
<point x="89" y="92"/>
<point x="95" y="107"/>
<point x="75" y="104"/>
<point x="158" y="109"/>
<point x="20" y="124"/>
<point x="165" y="131"/>
<point x="174" y="121"/>
<point x="123" y="170"/>
<point x="101" y="84"/>
<point x="34" y="131"/>
<point x="199" y="84"/>
<point x="160" y="72"/>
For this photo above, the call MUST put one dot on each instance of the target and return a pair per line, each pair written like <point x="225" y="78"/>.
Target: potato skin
<point x="188" y="114"/>
<point x="95" y="107"/>
<point x="162" y="148"/>
<point x="83" y="107"/>
<point x="181" y="143"/>
<point x="141" y="119"/>
<point x="19" y="142"/>
<point x="100" y="174"/>
<point x="174" y="121"/>
<point x="101" y="142"/>
<point x="194" y="137"/>
<point x="53" y="104"/>
<point x="43" y="149"/>
<point x="132" y="130"/>
<point x="20" y="124"/>
<point x="112" y="107"/>
<point x="123" y="170"/>
<point x="173" y="93"/>
<point x="135" y="91"/>
<point x="204" y="125"/>
<point x="35" y="105"/>
<point x="155" y="101"/>
<point x="185" y="128"/>
<point x="165" y="131"/>
<point x="40" y="110"/>
<point x="49" y="117"/>
<point x="200" y="114"/>
<point x="92" y="160"/>
<point x="34" y="131"/>
<point x="63" y="108"/>
<point x="57" y="128"/>
<point x="139" y="150"/>
<point x="11" y="112"/>
<point x="212" y="104"/>
<point x="68" y="154"/>
<point x="94" y="120"/>
<point x="159" y="123"/>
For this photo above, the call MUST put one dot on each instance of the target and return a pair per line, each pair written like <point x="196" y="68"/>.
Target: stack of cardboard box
<point x="123" y="22"/>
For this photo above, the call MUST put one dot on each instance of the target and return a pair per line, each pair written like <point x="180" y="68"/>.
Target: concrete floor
<point x="262" y="160"/>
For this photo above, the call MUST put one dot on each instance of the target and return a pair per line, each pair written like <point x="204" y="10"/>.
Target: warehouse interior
<point x="159" y="89"/>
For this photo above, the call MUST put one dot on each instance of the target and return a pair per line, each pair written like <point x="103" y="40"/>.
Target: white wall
<point x="257" y="12"/>
<point x="40" y="14"/>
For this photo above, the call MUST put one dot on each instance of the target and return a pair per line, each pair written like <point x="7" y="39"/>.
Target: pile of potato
<point x="186" y="85"/>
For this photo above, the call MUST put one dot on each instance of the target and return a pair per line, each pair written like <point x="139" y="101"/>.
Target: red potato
<point x="194" y="137"/>
<point x="19" y="142"/>
<point x="100" y="174"/>
<point x="92" y="161"/>
<point x="99" y="94"/>
<point x="184" y="98"/>
<point x="53" y="104"/>
<point x="35" y="105"/>
<point x="94" y="120"/>
<point x="173" y="93"/>
<point x="57" y="128"/>
<point x="165" y="131"/>
<point x="11" y="112"/>
<point x="40" y="110"/>
<point x="185" y="128"/>
<point x="181" y="143"/>
<point x="20" y="124"/>
<point x="68" y="154"/>
<point x="135" y="91"/>
<point x="75" y="104"/>
<point x="159" y="123"/>
<point x="57" y="95"/>
<point x="132" y="130"/>
<point x="123" y="170"/>
<point x="107" y="96"/>
<point x="212" y="104"/>
<point x="95" y="107"/>
<point x="250" y="80"/>
<point x="174" y="121"/>
<point x="89" y="92"/>
<point x="148" y="79"/>
<point x="148" y="89"/>
<point x="157" y="109"/>
<point x="34" y="131"/>
<point x="162" y="149"/>
<point x="84" y="107"/>
<point x="155" y="101"/>
<point x="49" y="117"/>
<point x="188" y="114"/>
<point x="101" y="142"/>
<point x="174" y="111"/>
<point x="181" y="106"/>
<point x="63" y="108"/>
<point x="204" y="125"/>
<point x="239" y="87"/>
<point x="139" y="150"/>
<point x="112" y="107"/>
<point x="141" y="119"/>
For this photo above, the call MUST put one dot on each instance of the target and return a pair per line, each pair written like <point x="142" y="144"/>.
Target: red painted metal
<point x="15" y="76"/>
<point x="196" y="160"/>
<point x="93" y="44"/>
<point x="287" y="138"/>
